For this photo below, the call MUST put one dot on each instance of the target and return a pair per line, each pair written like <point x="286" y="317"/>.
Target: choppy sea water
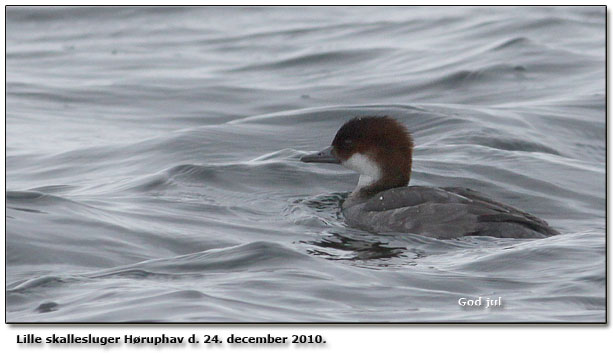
<point x="153" y="166"/>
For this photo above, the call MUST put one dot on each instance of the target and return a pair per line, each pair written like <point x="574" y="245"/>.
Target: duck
<point x="380" y="149"/>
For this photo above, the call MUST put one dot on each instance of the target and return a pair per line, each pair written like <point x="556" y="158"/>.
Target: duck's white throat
<point x="367" y="168"/>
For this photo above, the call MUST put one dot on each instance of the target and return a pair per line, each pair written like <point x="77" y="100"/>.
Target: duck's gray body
<point x="441" y="213"/>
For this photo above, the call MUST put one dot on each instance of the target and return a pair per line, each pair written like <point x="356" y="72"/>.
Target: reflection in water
<point x="360" y="249"/>
<point x="369" y="251"/>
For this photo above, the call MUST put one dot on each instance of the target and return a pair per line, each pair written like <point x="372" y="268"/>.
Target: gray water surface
<point x="153" y="166"/>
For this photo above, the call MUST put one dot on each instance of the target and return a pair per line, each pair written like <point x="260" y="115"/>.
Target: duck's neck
<point x="363" y="182"/>
<point x="375" y="178"/>
<point x="368" y="186"/>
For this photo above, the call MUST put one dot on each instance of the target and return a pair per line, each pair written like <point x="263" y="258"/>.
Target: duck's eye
<point x="347" y="142"/>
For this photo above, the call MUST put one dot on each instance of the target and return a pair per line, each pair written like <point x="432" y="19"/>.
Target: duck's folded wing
<point x="457" y="211"/>
<point x="507" y="213"/>
<point x="411" y="196"/>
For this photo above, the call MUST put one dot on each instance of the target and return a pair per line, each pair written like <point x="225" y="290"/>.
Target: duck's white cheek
<point x="364" y="165"/>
